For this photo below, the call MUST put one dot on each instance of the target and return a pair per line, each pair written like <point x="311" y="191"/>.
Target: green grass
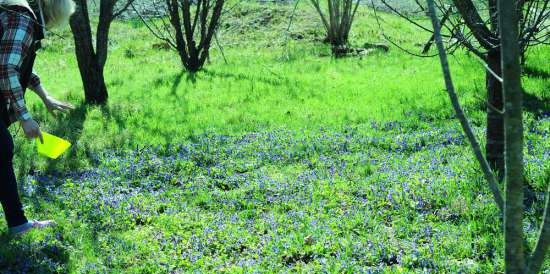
<point x="303" y="86"/>
<point x="280" y="142"/>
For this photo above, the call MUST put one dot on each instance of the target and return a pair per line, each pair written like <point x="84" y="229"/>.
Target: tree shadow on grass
<point x="174" y="81"/>
<point x="191" y="77"/>
<point x="113" y="115"/>
<point x="29" y="255"/>
<point x="70" y="128"/>
<point x="277" y="81"/>
<point x="538" y="106"/>
<point x="177" y="78"/>
<point x="534" y="72"/>
<point x="539" y="103"/>
<point x="177" y="82"/>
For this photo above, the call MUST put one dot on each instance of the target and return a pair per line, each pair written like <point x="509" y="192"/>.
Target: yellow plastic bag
<point x="53" y="146"/>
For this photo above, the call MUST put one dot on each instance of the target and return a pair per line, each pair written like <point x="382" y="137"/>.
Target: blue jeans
<point x="9" y="196"/>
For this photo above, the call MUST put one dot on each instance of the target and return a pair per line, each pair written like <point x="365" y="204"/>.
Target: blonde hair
<point x="57" y="12"/>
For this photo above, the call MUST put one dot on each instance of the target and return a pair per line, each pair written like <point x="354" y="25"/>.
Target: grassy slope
<point x="361" y="126"/>
<point x="258" y="74"/>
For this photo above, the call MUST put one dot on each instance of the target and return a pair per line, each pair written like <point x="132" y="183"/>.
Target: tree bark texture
<point x="489" y="176"/>
<point x="487" y="36"/>
<point x="541" y="248"/>
<point x="194" y="29"/>
<point x="91" y="71"/>
<point x="338" y="21"/>
<point x="106" y="17"/>
<point x="494" y="148"/>
<point x="513" y="122"/>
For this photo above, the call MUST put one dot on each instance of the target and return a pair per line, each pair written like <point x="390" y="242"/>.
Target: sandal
<point x="26" y="227"/>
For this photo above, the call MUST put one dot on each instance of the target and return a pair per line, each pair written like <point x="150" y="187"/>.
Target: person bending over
<point x="22" y="27"/>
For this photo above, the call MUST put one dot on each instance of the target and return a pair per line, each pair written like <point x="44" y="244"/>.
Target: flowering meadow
<point x="283" y="160"/>
<point x="321" y="201"/>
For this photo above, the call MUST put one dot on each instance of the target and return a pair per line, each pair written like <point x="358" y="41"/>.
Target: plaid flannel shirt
<point x="14" y="45"/>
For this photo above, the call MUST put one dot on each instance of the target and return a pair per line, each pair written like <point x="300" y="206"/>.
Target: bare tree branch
<point x="543" y="242"/>
<point x="489" y="175"/>
<point x="337" y="21"/>
<point x="190" y="30"/>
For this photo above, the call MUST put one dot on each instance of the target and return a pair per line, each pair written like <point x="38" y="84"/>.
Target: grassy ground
<point x="282" y="159"/>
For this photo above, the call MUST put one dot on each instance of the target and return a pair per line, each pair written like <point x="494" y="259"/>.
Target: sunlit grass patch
<point x="283" y="159"/>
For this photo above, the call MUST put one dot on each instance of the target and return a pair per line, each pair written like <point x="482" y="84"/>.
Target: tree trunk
<point x="91" y="72"/>
<point x="194" y="64"/>
<point x="513" y="121"/>
<point x="487" y="35"/>
<point x="495" y="121"/>
<point x="190" y="30"/>
<point x="489" y="176"/>
<point x="539" y="254"/>
<point x="103" y="27"/>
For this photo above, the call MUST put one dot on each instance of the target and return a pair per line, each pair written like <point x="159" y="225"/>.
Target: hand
<point x="53" y="104"/>
<point x="32" y="130"/>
